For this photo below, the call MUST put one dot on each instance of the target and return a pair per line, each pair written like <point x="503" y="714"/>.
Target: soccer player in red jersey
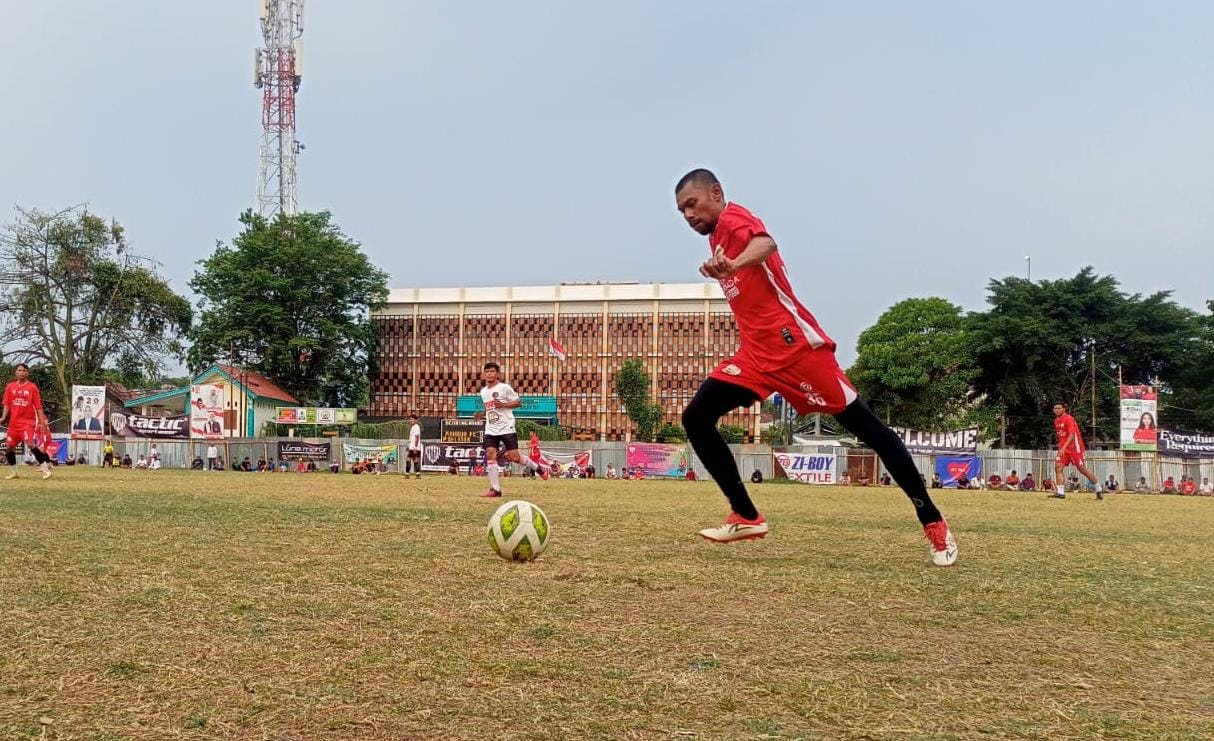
<point x="23" y="413"/>
<point x="1070" y="452"/>
<point x="782" y="349"/>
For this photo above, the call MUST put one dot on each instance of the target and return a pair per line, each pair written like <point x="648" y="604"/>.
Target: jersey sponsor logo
<point x="731" y="286"/>
<point x="786" y="333"/>
<point x="811" y="395"/>
<point x="731" y="370"/>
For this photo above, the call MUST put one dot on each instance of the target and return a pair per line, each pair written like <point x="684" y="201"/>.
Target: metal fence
<point x="1126" y="466"/>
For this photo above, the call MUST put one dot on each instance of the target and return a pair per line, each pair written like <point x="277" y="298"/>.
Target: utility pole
<point x="1093" y="391"/>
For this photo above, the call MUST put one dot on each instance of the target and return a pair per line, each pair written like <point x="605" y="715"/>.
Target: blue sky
<point x="894" y="149"/>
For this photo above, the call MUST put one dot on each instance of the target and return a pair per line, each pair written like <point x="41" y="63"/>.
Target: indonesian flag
<point x="556" y="349"/>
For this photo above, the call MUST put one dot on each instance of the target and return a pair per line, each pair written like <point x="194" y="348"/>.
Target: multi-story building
<point x="434" y="341"/>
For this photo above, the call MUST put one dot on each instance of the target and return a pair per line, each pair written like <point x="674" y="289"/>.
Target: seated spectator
<point x="80" y="461"/>
<point x="1047" y="484"/>
<point x="453" y="470"/>
<point x="1207" y="489"/>
<point x="1072" y="484"/>
<point x="756" y="477"/>
<point x="977" y="482"/>
<point x="1141" y="487"/>
<point x="639" y="473"/>
<point x="1111" y="484"/>
<point x="1028" y="484"/>
<point x="198" y="463"/>
<point x="283" y="466"/>
<point x="334" y="466"/>
<point x="845" y="480"/>
<point x="885" y="479"/>
<point x="246" y="465"/>
<point x="691" y="473"/>
<point x="1169" y="486"/>
<point x="937" y="483"/>
<point x="995" y="481"/>
<point x="311" y="466"/>
<point x="1012" y="483"/>
<point x="963" y="481"/>
<point x="863" y="480"/>
<point x="611" y="470"/>
<point x="126" y="460"/>
<point x="261" y="465"/>
<point x="1188" y="486"/>
<point x="589" y="471"/>
<point x="142" y="462"/>
<point x="154" y="464"/>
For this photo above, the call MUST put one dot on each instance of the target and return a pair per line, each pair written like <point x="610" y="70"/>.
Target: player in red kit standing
<point x="23" y="413"/>
<point x="1070" y="451"/>
<point x="783" y="349"/>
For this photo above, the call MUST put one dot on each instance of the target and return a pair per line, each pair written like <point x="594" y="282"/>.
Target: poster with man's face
<point x="88" y="412"/>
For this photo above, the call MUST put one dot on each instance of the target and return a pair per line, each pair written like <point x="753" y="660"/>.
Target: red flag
<point x="556" y="349"/>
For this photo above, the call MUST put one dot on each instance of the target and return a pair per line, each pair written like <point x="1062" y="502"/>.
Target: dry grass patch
<point x="193" y="605"/>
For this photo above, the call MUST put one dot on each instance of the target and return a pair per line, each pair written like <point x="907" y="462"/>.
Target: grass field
<point x="192" y="605"/>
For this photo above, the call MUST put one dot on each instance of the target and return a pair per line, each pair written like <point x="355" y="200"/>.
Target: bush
<point x="672" y="433"/>
<point x="732" y="433"/>
<point x="544" y="432"/>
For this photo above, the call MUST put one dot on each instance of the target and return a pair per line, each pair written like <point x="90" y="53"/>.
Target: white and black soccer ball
<point x="518" y="531"/>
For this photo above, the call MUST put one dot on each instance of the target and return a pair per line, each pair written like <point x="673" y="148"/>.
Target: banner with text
<point x="809" y="468"/>
<point x="957" y="441"/>
<point x="206" y="410"/>
<point x="1185" y="444"/>
<point x="88" y="412"/>
<point x="172" y="427"/>
<point x="314" y="416"/>
<point x="462" y="430"/>
<point x="441" y="456"/>
<point x="950" y="468"/>
<point x="301" y="451"/>
<point x="356" y="453"/>
<point x="659" y="459"/>
<point x="1139" y="418"/>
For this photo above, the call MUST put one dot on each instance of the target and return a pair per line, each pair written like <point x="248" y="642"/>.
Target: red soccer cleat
<point x="491" y="493"/>
<point x="736" y="528"/>
<point x="544" y="473"/>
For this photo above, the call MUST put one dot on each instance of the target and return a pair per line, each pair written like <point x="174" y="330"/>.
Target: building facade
<point x="433" y="343"/>
<point x="250" y="399"/>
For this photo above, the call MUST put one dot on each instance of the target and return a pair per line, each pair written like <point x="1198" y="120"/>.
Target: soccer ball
<point x="518" y="531"/>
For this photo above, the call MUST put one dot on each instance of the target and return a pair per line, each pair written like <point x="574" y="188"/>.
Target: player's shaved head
<point x="698" y="176"/>
<point x="700" y="198"/>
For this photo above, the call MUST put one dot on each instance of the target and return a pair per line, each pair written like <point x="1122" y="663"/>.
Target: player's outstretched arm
<point x="757" y="250"/>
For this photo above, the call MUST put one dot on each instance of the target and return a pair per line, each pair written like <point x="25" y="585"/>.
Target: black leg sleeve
<point x="862" y="423"/>
<point x="713" y="400"/>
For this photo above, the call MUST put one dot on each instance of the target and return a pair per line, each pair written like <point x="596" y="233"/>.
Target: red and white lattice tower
<point x="277" y="72"/>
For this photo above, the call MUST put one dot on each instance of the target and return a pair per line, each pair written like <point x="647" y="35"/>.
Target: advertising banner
<point x="313" y="416"/>
<point x="951" y="468"/>
<point x="809" y="468"/>
<point x="172" y="427"/>
<point x="462" y="430"/>
<point x="206" y="410"/>
<point x="1185" y="444"/>
<point x="659" y="459"/>
<point x="440" y="456"/>
<point x="356" y="453"/>
<point x="957" y="441"/>
<point x="88" y="412"/>
<point x="291" y="450"/>
<point x="1139" y="418"/>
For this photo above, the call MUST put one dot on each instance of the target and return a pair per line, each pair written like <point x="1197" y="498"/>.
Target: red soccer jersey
<point x="1065" y="427"/>
<point x="773" y="324"/>
<point x="22" y="398"/>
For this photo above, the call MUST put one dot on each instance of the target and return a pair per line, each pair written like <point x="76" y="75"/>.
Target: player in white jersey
<point x="413" y="456"/>
<point x="500" y="401"/>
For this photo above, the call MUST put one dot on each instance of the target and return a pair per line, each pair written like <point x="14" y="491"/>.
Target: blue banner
<point x="950" y="467"/>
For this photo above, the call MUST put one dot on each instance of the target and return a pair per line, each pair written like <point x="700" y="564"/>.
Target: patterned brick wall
<point x="425" y="368"/>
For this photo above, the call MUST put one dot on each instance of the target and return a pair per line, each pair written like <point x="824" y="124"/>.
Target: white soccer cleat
<point x="45" y="468"/>
<point x="944" y="545"/>
<point x="736" y="528"/>
<point x="11" y="476"/>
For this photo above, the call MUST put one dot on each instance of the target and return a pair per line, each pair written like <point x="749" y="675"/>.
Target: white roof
<point x="565" y="293"/>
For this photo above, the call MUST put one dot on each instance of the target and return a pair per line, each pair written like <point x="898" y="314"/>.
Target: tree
<point x="1189" y="394"/>
<point x="74" y="298"/>
<point x="1052" y="340"/>
<point x="632" y="388"/>
<point x="291" y="298"/>
<point x="671" y="433"/>
<point x="916" y="365"/>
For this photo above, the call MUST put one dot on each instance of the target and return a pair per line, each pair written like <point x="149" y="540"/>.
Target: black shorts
<point x="508" y="442"/>
<point x="413" y="454"/>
